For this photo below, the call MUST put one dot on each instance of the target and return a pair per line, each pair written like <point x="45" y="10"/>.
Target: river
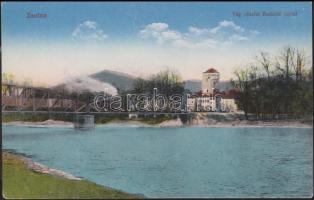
<point x="176" y="162"/>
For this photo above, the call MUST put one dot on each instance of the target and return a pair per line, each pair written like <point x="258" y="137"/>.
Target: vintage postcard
<point x="115" y="100"/>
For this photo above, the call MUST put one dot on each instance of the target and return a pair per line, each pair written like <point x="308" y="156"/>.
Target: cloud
<point x="230" y="24"/>
<point x="226" y="32"/>
<point x="157" y="26"/>
<point x="254" y="32"/>
<point x="88" y="31"/>
<point x="223" y="25"/>
<point x="160" y="32"/>
<point x="237" y="37"/>
<point x="90" y="24"/>
<point x="196" y="31"/>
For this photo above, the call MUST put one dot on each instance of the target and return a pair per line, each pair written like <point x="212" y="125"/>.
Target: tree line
<point x="276" y="84"/>
<point x="167" y="82"/>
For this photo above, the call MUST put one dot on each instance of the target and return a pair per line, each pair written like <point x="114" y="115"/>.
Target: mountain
<point x="224" y="85"/>
<point x="193" y="85"/>
<point x="196" y="85"/>
<point x="124" y="81"/>
<point x="119" y="80"/>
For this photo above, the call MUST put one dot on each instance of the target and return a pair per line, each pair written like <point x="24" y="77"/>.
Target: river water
<point x="177" y="162"/>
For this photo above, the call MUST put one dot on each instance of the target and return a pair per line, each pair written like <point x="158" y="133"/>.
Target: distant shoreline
<point x="177" y="123"/>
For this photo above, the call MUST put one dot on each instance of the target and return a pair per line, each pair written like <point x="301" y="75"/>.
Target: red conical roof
<point x="211" y="70"/>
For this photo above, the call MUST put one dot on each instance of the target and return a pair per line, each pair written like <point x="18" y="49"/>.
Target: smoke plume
<point x="84" y="83"/>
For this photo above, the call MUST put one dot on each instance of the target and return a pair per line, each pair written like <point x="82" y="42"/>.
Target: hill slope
<point x="119" y="80"/>
<point x="196" y="85"/>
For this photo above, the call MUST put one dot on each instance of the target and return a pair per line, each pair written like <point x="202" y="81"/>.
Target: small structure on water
<point x="84" y="122"/>
<point x="133" y="116"/>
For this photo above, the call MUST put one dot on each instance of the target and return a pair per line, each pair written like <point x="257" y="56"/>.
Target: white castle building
<point x="210" y="98"/>
<point x="209" y="81"/>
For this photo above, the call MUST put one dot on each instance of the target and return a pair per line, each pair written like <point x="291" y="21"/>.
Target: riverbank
<point x="230" y="120"/>
<point x="199" y="119"/>
<point x="46" y="123"/>
<point x="257" y="124"/>
<point x="23" y="178"/>
<point x="198" y="122"/>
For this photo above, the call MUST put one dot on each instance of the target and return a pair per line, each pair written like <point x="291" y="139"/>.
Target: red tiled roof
<point x="199" y="93"/>
<point x="211" y="70"/>
<point x="228" y="94"/>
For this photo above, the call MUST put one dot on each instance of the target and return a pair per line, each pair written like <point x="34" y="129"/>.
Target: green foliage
<point x="156" y="120"/>
<point x="276" y="85"/>
<point x="111" y="118"/>
<point x="167" y="82"/>
<point x="8" y="78"/>
<point x="217" y="117"/>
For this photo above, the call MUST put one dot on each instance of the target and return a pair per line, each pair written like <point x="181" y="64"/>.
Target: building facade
<point x="210" y="99"/>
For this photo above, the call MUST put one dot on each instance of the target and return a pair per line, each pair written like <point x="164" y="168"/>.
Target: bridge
<point x="17" y="98"/>
<point x="25" y="99"/>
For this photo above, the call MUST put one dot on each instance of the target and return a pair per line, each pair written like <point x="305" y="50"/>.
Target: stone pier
<point x="84" y="122"/>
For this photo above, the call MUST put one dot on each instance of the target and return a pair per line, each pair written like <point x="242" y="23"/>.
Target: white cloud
<point x="157" y="26"/>
<point x="254" y="32"/>
<point x="237" y="37"/>
<point x="88" y="31"/>
<point x="196" y="31"/>
<point x="215" y="29"/>
<point x="226" y="32"/>
<point x="90" y="24"/>
<point x="225" y="25"/>
<point x="171" y="35"/>
<point x="160" y="32"/>
<point x="231" y="24"/>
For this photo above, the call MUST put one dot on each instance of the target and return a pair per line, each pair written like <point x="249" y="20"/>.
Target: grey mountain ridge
<point x="124" y="81"/>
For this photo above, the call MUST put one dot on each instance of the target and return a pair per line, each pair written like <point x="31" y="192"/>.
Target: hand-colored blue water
<point x="177" y="162"/>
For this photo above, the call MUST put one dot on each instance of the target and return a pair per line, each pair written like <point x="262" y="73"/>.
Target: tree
<point x="167" y="82"/>
<point x="7" y="78"/>
<point x="242" y="84"/>
<point x="275" y="85"/>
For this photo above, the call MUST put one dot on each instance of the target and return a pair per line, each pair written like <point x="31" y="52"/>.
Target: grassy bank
<point x="21" y="182"/>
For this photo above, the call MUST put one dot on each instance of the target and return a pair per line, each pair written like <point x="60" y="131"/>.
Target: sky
<point x="141" y="39"/>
